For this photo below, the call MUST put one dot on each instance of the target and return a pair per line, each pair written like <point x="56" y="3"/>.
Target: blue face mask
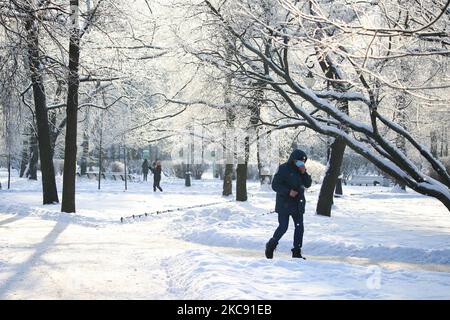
<point x="299" y="163"/>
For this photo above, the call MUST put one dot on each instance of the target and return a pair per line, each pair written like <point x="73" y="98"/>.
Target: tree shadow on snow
<point x="13" y="219"/>
<point x="40" y="249"/>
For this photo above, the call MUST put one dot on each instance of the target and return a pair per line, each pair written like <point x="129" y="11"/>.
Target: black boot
<point x="297" y="253"/>
<point x="270" y="248"/>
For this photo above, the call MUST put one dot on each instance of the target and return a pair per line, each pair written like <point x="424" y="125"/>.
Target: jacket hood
<point x="297" y="155"/>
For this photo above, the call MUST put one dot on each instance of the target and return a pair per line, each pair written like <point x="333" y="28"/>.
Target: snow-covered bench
<point x="361" y="180"/>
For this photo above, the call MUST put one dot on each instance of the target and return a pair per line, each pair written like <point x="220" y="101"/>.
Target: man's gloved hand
<point x="293" y="193"/>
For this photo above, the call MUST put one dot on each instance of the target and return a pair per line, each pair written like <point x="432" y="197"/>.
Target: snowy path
<point x="391" y="265"/>
<point x="215" y="252"/>
<point x="150" y="266"/>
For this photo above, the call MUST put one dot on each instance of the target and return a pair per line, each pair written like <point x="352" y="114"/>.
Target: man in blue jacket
<point x="289" y="183"/>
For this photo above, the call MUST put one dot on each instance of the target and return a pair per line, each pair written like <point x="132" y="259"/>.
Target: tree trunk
<point x="70" y="151"/>
<point x="434" y="143"/>
<point x="230" y="116"/>
<point x="85" y="154"/>
<point x="31" y="171"/>
<point x="444" y="143"/>
<point x="53" y="129"/>
<point x="228" y="171"/>
<point x="25" y="158"/>
<point x="9" y="171"/>
<point x="445" y="153"/>
<point x="125" y="153"/>
<point x="228" y="180"/>
<point x="112" y="151"/>
<point x="255" y="113"/>
<point x="228" y="157"/>
<point x="100" y="154"/>
<point x="337" y="148"/>
<point x="241" y="182"/>
<point x="264" y="156"/>
<point x="331" y="176"/>
<point x="400" y="140"/>
<point x="50" y="194"/>
<point x="228" y="154"/>
<point x="241" y="172"/>
<point x="258" y="158"/>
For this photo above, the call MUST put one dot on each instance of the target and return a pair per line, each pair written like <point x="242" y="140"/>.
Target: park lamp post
<point x="213" y="156"/>
<point x="187" y="175"/>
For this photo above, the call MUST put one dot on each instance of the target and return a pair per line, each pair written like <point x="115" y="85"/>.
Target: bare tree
<point x="70" y="151"/>
<point x="364" y="138"/>
<point x="50" y="194"/>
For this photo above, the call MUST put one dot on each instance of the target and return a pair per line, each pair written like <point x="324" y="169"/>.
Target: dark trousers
<point x="283" y="220"/>
<point x="145" y="176"/>
<point x="156" y="181"/>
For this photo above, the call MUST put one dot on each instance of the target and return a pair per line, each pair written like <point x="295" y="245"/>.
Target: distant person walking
<point x="289" y="183"/>
<point x="156" y="169"/>
<point x="145" y="168"/>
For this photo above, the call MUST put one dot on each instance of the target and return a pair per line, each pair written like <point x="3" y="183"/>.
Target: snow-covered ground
<point x="377" y="245"/>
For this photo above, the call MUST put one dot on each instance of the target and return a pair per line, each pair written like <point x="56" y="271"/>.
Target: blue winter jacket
<point x="288" y="178"/>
